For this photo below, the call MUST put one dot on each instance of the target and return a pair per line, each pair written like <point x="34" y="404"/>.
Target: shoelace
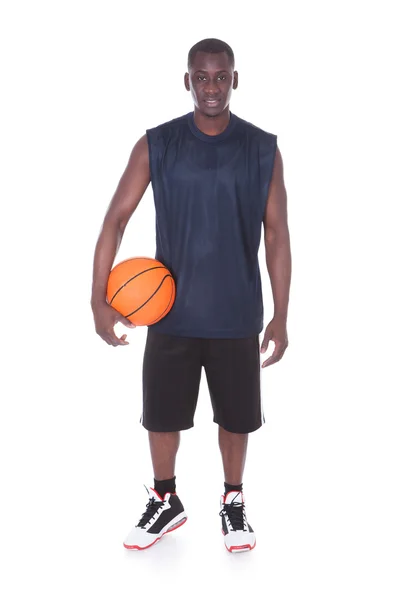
<point x="235" y="514"/>
<point x="151" y="508"/>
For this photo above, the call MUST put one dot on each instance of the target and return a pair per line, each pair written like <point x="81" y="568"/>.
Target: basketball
<point x="142" y="289"/>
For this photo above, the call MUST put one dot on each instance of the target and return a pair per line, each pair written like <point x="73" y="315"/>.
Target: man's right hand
<point x="105" y="318"/>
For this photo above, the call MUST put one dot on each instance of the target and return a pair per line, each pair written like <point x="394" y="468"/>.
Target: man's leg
<point x="171" y="381"/>
<point x="163" y="450"/>
<point x="233" y="448"/>
<point x="233" y="372"/>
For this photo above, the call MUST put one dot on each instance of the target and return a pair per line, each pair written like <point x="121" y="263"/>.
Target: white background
<point x="81" y="83"/>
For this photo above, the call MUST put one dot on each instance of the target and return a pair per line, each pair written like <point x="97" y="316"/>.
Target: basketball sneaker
<point x="238" y="535"/>
<point x="161" y="516"/>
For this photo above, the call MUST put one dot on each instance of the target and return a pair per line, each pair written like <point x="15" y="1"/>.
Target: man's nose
<point x="211" y="88"/>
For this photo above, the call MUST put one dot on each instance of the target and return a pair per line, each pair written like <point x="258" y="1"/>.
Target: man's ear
<point x="235" y="79"/>
<point x="187" y="85"/>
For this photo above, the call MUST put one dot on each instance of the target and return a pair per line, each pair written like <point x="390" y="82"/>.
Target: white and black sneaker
<point x="238" y="535"/>
<point x="161" y="516"/>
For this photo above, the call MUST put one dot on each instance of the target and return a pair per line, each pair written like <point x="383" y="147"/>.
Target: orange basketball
<point x="142" y="289"/>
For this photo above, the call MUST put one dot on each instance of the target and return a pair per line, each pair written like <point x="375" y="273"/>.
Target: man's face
<point x="211" y="80"/>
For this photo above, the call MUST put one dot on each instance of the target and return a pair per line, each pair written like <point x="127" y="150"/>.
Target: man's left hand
<point x="275" y="332"/>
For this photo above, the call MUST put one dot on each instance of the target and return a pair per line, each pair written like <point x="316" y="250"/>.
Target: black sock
<point x="165" y="486"/>
<point x="233" y="488"/>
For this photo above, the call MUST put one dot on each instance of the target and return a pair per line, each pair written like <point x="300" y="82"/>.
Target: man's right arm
<point x="131" y="187"/>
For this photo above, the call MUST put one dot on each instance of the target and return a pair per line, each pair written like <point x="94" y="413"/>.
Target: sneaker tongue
<point x="233" y="497"/>
<point x="153" y="494"/>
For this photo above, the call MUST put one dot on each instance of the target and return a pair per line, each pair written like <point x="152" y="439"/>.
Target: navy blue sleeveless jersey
<point x="210" y="194"/>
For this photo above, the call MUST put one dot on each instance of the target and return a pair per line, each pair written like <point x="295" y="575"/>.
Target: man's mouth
<point x="211" y="101"/>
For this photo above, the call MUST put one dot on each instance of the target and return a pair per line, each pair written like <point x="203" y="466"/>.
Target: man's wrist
<point x="98" y="299"/>
<point x="280" y="316"/>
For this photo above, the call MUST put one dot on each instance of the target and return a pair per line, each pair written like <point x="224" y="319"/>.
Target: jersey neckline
<point x="212" y="139"/>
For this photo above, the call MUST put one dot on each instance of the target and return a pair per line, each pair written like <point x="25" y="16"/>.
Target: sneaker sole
<point x="172" y="528"/>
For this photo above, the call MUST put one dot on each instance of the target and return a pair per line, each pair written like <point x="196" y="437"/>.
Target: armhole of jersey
<point x="150" y="147"/>
<point x="271" y="171"/>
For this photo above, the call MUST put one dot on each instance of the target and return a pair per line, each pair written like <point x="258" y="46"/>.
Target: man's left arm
<point x="279" y="262"/>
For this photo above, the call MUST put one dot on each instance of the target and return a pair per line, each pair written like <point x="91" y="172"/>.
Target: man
<point x="216" y="178"/>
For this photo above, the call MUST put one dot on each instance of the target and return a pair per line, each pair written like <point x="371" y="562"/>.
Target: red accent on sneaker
<point x="244" y="547"/>
<point x="161" y="499"/>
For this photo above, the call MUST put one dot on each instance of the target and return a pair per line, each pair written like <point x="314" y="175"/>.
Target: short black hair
<point x="212" y="46"/>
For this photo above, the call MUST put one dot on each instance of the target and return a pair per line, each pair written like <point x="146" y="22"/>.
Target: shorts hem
<point x="161" y="429"/>
<point x="248" y="429"/>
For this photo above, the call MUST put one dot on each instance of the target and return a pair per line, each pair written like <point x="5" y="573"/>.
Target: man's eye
<point x="203" y="77"/>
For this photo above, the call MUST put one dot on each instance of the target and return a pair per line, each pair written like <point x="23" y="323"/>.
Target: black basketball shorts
<point x="172" y="367"/>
